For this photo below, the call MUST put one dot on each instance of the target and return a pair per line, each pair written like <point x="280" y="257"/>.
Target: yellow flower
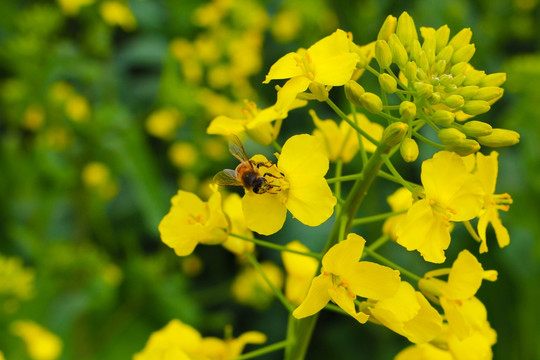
<point x="299" y="186"/>
<point x="233" y="209"/>
<point x="300" y="271"/>
<point x="408" y="313"/>
<point x="191" y="221"/>
<point x="451" y="194"/>
<point x="401" y="199"/>
<point x="97" y="176"/>
<point x="15" y="280"/>
<point x="218" y="349"/>
<point x="162" y="123"/>
<point x="486" y="172"/>
<point x="343" y="278"/>
<point x="341" y="141"/>
<point x="40" y="342"/>
<point x="250" y="288"/>
<point x="423" y="352"/>
<point x="72" y="7"/>
<point x="116" y="13"/>
<point x="327" y="62"/>
<point x="255" y="122"/>
<point x="77" y="108"/>
<point x="33" y="117"/>
<point x="183" y="154"/>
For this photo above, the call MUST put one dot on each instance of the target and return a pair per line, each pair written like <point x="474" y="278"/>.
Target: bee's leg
<point x="266" y="164"/>
<point x="272" y="175"/>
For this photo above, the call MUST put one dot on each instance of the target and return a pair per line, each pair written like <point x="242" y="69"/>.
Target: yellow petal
<point x="401" y="307"/>
<point x="286" y="67"/>
<point x="342" y="257"/>
<point x="329" y="46"/>
<point x="486" y="170"/>
<point x="373" y="281"/>
<point x="335" y="70"/>
<point x="342" y="298"/>
<point x="287" y="94"/>
<point x="223" y="125"/>
<point x="265" y="213"/>
<point x="465" y="277"/>
<point x="426" y="325"/>
<point x="300" y="272"/>
<point x="372" y="128"/>
<point x="316" y="298"/>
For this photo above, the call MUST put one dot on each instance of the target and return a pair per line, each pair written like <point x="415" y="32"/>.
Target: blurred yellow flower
<point x="250" y="288"/>
<point x="300" y="271"/>
<point x="72" y="7"/>
<point x="77" y="108"/>
<point x="401" y="199"/>
<point x="191" y="221"/>
<point x="163" y="123"/>
<point x="60" y="91"/>
<point x="286" y="25"/>
<point x="33" y="117"/>
<point x="16" y="280"/>
<point x="215" y="149"/>
<point x="183" y="154"/>
<point x="97" y="176"/>
<point x="41" y="344"/>
<point x="232" y="206"/>
<point x="117" y="13"/>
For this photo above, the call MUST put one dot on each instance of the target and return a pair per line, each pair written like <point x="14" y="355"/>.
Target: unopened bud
<point x="458" y="79"/>
<point x="434" y="98"/>
<point x="476" y="128"/>
<point x="488" y="93"/>
<point x="353" y="92"/>
<point x="405" y="29"/>
<point x="318" y="90"/>
<point x="445" y="53"/>
<point x="468" y="91"/>
<point x="464" y="147"/>
<point x="440" y="67"/>
<point x="394" y="133"/>
<point x="459" y="68"/>
<point x="371" y="102"/>
<point x="500" y="137"/>
<point x="388" y="83"/>
<point x="387" y="28"/>
<point x="451" y="136"/>
<point x="443" y="118"/>
<point x="454" y="101"/>
<point x="415" y="49"/>
<point x="496" y="79"/>
<point x="424" y="90"/>
<point x="409" y="150"/>
<point x="474" y="77"/>
<point x="407" y="109"/>
<point x="383" y="55"/>
<point x="461" y="39"/>
<point x="422" y="61"/>
<point x="463" y="54"/>
<point x="442" y="35"/>
<point x="410" y="71"/>
<point x="475" y="107"/>
<point x="399" y="54"/>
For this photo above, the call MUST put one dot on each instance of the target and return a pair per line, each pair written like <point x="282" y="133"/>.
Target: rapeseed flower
<point x="116" y="13"/>
<point x="300" y="271"/>
<point x="232" y="206"/>
<point x="343" y="278"/>
<point x="40" y="342"/>
<point x="191" y="221"/>
<point x="401" y="199"/>
<point x="250" y="288"/>
<point x="451" y="194"/>
<point x="328" y="62"/>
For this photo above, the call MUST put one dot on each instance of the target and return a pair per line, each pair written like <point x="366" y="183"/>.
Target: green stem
<point x="379" y="242"/>
<point x="350" y="122"/>
<point x="344" y="178"/>
<point x="427" y="141"/>
<point x="276" y="146"/>
<point x="265" y="350"/>
<point x="375" y="218"/>
<point x="277" y="247"/>
<point x="391" y="264"/>
<point x="396" y="174"/>
<point x="276" y="291"/>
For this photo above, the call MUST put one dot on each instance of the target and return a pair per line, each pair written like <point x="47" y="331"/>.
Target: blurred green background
<point x="103" y="112"/>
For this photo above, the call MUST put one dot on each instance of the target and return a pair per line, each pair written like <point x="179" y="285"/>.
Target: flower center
<point x="305" y="62"/>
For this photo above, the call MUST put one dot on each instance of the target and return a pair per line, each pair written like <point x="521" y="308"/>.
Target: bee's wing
<point x="227" y="177"/>
<point x="236" y="148"/>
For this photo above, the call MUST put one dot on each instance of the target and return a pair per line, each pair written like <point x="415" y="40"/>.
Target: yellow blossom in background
<point x="215" y="149"/>
<point x="327" y="62"/>
<point x="300" y="271"/>
<point x="401" y="199"/>
<point x="16" y="281"/>
<point x="451" y="194"/>
<point x="77" y="108"/>
<point x="300" y="187"/>
<point x="343" y="278"/>
<point x="60" y="91"/>
<point x="163" y="123"/>
<point x="286" y="25"/>
<point x="191" y="221"/>
<point x="183" y="154"/>
<point x="41" y="344"/>
<point x="97" y="176"/>
<point x="72" y="7"/>
<point x="116" y="13"/>
<point x="188" y="181"/>
<point x="250" y="288"/>
<point x="192" y="265"/>
<point x="408" y="313"/>
<point x="423" y="352"/>
<point x="218" y="349"/>
<point x="33" y="117"/>
<point x="232" y="206"/>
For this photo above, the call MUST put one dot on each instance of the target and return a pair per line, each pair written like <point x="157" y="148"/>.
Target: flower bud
<point x="388" y="83"/>
<point x="496" y="79"/>
<point x="319" y="91"/>
<point x="434" y="98"/>
<point x="443" y="118"/>
<point x="442" y="35"/>
<point x="422" y="61"/>
<point x="414" y="50"/>
<point x="500" y="137"/>
<point x="461" y="39"/>
<point x="410" y="71"/>
<point x="393" y="134"/>
<point x="488" y="93"/>
<point x="459" y="68"/>
<point x="371" y="102"/>
<point x="424" y="90"/>
<point x="476" y="128"/>
<point x="383" y="55"/>
<point x="475" y="107"/>
<point x="421" y="74"/>
<point x="474" y="77"/>
<point x="405" y="29"/>
<point x="399" y="54"/>
<point x="464" y="147"/>
<point x="468" y="91"/>
<point x="387" y="28"/>
<point x="463" y="54"/>
<point x="451" y="136"/>
<point x="353" y="92"/>
<point x="409" y="150"/>
<point x="454" y="101"/>
<point x="445" y="53"/>
<point x="440" y="67"/>
<point x="407" y="109"/>
<point x="458" y="79"/>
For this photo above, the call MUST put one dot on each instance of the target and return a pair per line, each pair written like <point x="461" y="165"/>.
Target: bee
<point x="247" y="173"/>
